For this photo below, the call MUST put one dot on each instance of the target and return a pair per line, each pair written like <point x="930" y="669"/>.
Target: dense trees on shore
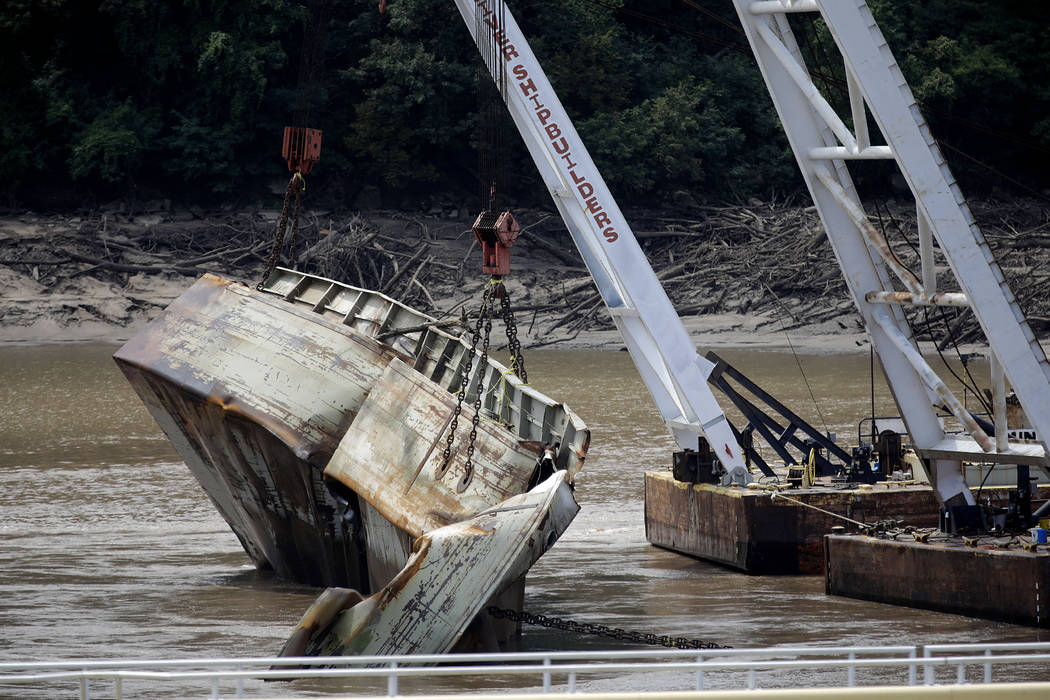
<point x="186" y="99"/>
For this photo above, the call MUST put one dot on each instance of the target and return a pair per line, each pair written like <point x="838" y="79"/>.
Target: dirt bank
<point x="761" y="275"/>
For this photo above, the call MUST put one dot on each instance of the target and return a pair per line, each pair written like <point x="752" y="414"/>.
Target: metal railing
<point x="740" y="667"/>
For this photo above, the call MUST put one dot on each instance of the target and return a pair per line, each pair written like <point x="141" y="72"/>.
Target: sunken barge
<point x="314" y="415"/>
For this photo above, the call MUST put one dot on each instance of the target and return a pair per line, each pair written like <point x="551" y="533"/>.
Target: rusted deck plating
<point x="259" y="390"/>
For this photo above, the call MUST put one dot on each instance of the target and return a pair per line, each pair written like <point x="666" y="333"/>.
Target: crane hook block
<point x="496" y="232"/>
<point x="302" y="148"/>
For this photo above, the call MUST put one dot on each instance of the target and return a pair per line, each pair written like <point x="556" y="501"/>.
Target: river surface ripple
<point x="110" y="549"/>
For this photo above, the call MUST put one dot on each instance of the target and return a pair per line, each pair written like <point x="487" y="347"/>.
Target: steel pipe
<point x="843" y="153"/>
<point x="955" y="299"/>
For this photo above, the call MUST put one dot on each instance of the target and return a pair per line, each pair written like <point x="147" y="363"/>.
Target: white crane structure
<point x="824" y="143"/>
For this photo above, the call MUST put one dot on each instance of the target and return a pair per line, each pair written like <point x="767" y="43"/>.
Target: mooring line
<point x="775" y="495"/>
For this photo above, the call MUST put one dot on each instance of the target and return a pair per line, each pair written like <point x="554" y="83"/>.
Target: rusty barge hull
<point x="257" y="390"/>
<point x="747" y="530"/>
<point x="996" y="584"/>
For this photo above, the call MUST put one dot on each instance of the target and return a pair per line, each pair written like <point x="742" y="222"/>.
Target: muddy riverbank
<point x="761" y="275"/>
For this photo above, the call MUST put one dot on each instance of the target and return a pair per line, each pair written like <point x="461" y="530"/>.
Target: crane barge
<point x="680" y="380"/>
<point x="957" y="269"/>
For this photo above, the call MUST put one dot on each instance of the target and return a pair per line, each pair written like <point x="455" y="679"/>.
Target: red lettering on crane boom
<point x="589" y="195"/>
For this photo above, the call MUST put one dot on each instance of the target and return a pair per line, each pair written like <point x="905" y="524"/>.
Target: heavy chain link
<point x="602" y="630"/>
<point x="294" y="193"/>
<point x="468" y="467"/>
<point x="517" y="359"/>
<point x="482" y="333"/>
<point x="475" y="337"/>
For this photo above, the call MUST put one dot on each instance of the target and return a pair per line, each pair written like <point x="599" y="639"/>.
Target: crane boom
<point x="824" y="144"/>
<point x="666" y="358"/>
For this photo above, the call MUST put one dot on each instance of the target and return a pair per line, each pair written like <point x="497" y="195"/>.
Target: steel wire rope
<point x="790" y="345"/>
<point x="735" y="26"/>
<point x="832" y="81"/>
<point x="991" y="169"/>
<point x="972" y="385"/>
<point x="491" y="93"/>
<point x="309" y="53"/>
<point x="671" y="27"/>
<point x="840" y="85"/>
<point x="805" y="379"/>
<point x="784" y="330"/>
<point x="879" y="205"/>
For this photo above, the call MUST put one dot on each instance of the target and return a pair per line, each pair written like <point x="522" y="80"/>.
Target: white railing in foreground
<point x="902" y="662"/>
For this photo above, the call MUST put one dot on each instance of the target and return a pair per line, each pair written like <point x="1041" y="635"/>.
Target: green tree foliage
<point x="667" y="141"/>
<point x="111" y="146"/>
<point x="981" y="73"/>
<point x="187" y="98"/>
<point x="416" y="87"/>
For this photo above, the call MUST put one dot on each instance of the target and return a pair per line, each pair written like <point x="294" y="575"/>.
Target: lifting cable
<point x="673" y="28"/>
<point x="495" y="231"/>
<point x="491" y="90"/>
<point x="839" y="85"/>
<point x="805" y="379"/>
<point x="302" y="143"/>
<point x="823" y="63"/>
<point x="971" y="384"/>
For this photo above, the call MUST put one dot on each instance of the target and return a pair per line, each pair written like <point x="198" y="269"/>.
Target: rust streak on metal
<point x="868" y="230"/>
<point x="386" y="472"/>
<point x="939" y="299"/>
<point x="426" y="457"/>
<point x="451" y="575"/>
<point x="317" y="442"/>
<point x="419" y="553"/>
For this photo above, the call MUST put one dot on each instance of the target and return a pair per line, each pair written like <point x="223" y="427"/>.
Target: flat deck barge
<point x="992" y="578"/>
<point x="750" y="530"/>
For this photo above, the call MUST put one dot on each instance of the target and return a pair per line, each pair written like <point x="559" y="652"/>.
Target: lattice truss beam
<point x="824" y="144"/>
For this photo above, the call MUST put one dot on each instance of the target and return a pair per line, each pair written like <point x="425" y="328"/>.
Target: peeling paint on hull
<point x="452" y="573"/>
<point x="259" y="390"/>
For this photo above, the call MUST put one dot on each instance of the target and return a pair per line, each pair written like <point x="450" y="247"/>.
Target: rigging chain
<point x="517" y="358"/>
<point x="603" y="630"/>
<point x="482" y="332"/>
<point x="294" y="193"/>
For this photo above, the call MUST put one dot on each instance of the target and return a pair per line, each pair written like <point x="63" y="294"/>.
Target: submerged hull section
<point x="452" y="573"/>
<point x="258" y="390"/>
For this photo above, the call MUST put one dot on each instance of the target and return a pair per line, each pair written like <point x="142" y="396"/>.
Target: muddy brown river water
<point x="109" y="548"/>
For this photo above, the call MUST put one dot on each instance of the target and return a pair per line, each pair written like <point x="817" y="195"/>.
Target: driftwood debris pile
<point x="759" y="259"/>
<point x="775" y="259"/>
<point x="770" y="259"/>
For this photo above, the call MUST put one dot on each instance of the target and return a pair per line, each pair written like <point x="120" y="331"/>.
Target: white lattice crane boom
<point x="823" y="144"/>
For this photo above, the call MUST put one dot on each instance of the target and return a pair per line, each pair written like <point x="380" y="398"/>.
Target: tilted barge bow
<point x="259" y="390"/>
